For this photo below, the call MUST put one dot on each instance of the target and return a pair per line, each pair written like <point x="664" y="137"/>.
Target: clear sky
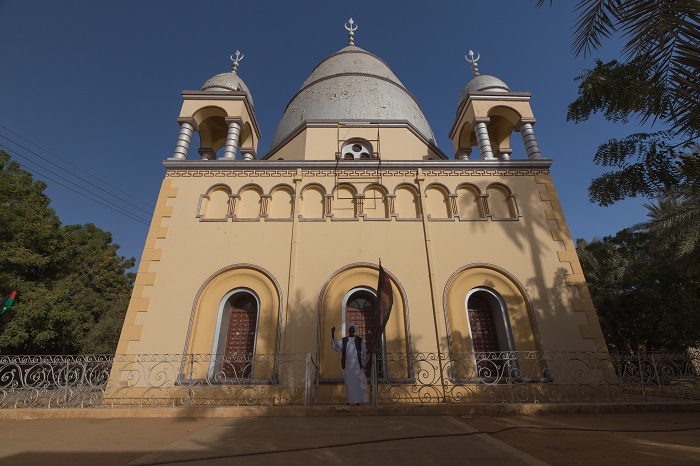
<point x="97" y="85"/>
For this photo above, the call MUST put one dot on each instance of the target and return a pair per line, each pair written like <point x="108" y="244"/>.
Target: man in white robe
<point x="354" y="358"/>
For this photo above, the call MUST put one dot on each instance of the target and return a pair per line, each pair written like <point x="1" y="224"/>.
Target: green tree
<point x="675" y="217"/>
<point x="658" y="82"/>
<point x="646" y="298"/>
<point x="68" y="278"/>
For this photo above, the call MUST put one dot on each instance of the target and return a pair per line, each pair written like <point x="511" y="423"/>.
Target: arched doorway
<point x="236" y="335"/>
<point x="491" y="336"/>
<point x="358" y="310"/>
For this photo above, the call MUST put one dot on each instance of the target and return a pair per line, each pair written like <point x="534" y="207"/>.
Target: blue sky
<point x="98" y="85"/>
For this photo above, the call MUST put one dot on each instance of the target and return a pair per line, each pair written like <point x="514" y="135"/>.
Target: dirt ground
<point x="571" y="439"/>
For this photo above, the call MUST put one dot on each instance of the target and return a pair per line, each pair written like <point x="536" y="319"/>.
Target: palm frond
<point x="596" y="21"/>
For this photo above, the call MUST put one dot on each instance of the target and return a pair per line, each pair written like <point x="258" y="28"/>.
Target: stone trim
<point x="575" y="280"/>
<point x="277" y="173"/>
<point x="139" y="303"/>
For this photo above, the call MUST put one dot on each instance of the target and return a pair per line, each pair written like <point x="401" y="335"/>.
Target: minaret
<point x="222" y="112"/>
<point x="487" y="114"/>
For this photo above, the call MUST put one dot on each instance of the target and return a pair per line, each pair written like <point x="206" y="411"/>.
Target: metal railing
<point x="156" y="380"/>
<point x="536" y="377"/>
<point x="198" y="380"/>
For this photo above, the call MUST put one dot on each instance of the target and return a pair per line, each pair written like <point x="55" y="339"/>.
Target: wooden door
<point x="240" y="339"/>
<point x="484" y="335"/>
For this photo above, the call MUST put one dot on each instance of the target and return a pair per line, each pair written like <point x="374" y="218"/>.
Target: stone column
<point x="505" y="154"/>
<point x="234" y="131"/>
<point x="453" y="205"/>
<point x="482" y="136"/>
<point x="531" y="147"/>
<point x="247" y="155"/>
<point x="183" y="141"/>
<point x="463" y="154"/>
<point x="207" y="153"/>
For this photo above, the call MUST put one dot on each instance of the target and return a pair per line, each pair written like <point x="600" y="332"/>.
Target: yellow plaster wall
<point x="533" y="249"/>
<point x="331" y="315"/>
<point x="209" y="303"/>
<point x="323" y="143"/>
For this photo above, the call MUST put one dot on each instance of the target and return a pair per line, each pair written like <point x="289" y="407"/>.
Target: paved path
<point x="572" y="439"/>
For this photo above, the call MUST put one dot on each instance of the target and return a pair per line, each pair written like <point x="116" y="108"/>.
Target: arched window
<point x="491" y="336"/>
<point x="234" y="340"/>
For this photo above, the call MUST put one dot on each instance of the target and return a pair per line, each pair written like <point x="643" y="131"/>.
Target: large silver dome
<point x="483" y="83"/>
<point x="227" y="82"/>
<point x="352" y="84"/>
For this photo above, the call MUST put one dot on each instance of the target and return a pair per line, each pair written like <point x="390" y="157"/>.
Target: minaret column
<point x="531" y="147"/>
<point x="234" y="132"/>
<point x="183" y="141"/>
<point x="482" y="136"/>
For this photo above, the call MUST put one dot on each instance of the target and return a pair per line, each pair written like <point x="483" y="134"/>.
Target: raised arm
<point x="336" y="345"/>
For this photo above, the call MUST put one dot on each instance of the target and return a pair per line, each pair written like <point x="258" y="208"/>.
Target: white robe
<point x="356" y="390"/>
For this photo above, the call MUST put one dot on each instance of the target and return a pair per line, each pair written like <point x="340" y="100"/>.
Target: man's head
<point x="351" y="330"/>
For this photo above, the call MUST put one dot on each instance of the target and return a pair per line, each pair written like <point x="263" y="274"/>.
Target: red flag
<point x="385" y="300"/>
<point x="7" y="302"/>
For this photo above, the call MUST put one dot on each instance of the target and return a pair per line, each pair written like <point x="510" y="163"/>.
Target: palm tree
<point x="658" y="80"/>
<point x="675" y="219"/>
<point x="661" y="35"/>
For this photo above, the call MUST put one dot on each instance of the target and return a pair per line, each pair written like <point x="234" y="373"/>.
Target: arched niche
<point x="281" y="203"/>
<point x="406" y="202"/>
<point x="313" y="202"/>
<point x="209" y="308"/>
<point x="215" y="205"/>
<point x="248" y="204"/>
<point x="334" y="295"/>
<point x="469" y="203"/>
<point x="437" y="202"/>
<point x="513" y="304"/>
<point x="376" y="203"/>
<point x="501" y="202"/>
<point x="344" y="202"/>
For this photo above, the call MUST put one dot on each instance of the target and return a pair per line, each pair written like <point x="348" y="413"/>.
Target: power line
<point x="107" y="203"/>
<point x="76" y="167"/>
<point x="72" y="174"/>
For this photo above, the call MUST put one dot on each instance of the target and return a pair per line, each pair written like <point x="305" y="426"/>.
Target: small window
<point x="356" y="150"/>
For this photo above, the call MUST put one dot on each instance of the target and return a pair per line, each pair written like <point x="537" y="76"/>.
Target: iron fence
<point x="200" y="380"/>
<point x="536" y="377"/>
<point x="156" y="380"/>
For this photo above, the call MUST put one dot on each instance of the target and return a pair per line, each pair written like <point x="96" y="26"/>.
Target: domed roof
<point x="227" y="82"/>
<point x="483" y="83"/>
<point x="352" y="84"/>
